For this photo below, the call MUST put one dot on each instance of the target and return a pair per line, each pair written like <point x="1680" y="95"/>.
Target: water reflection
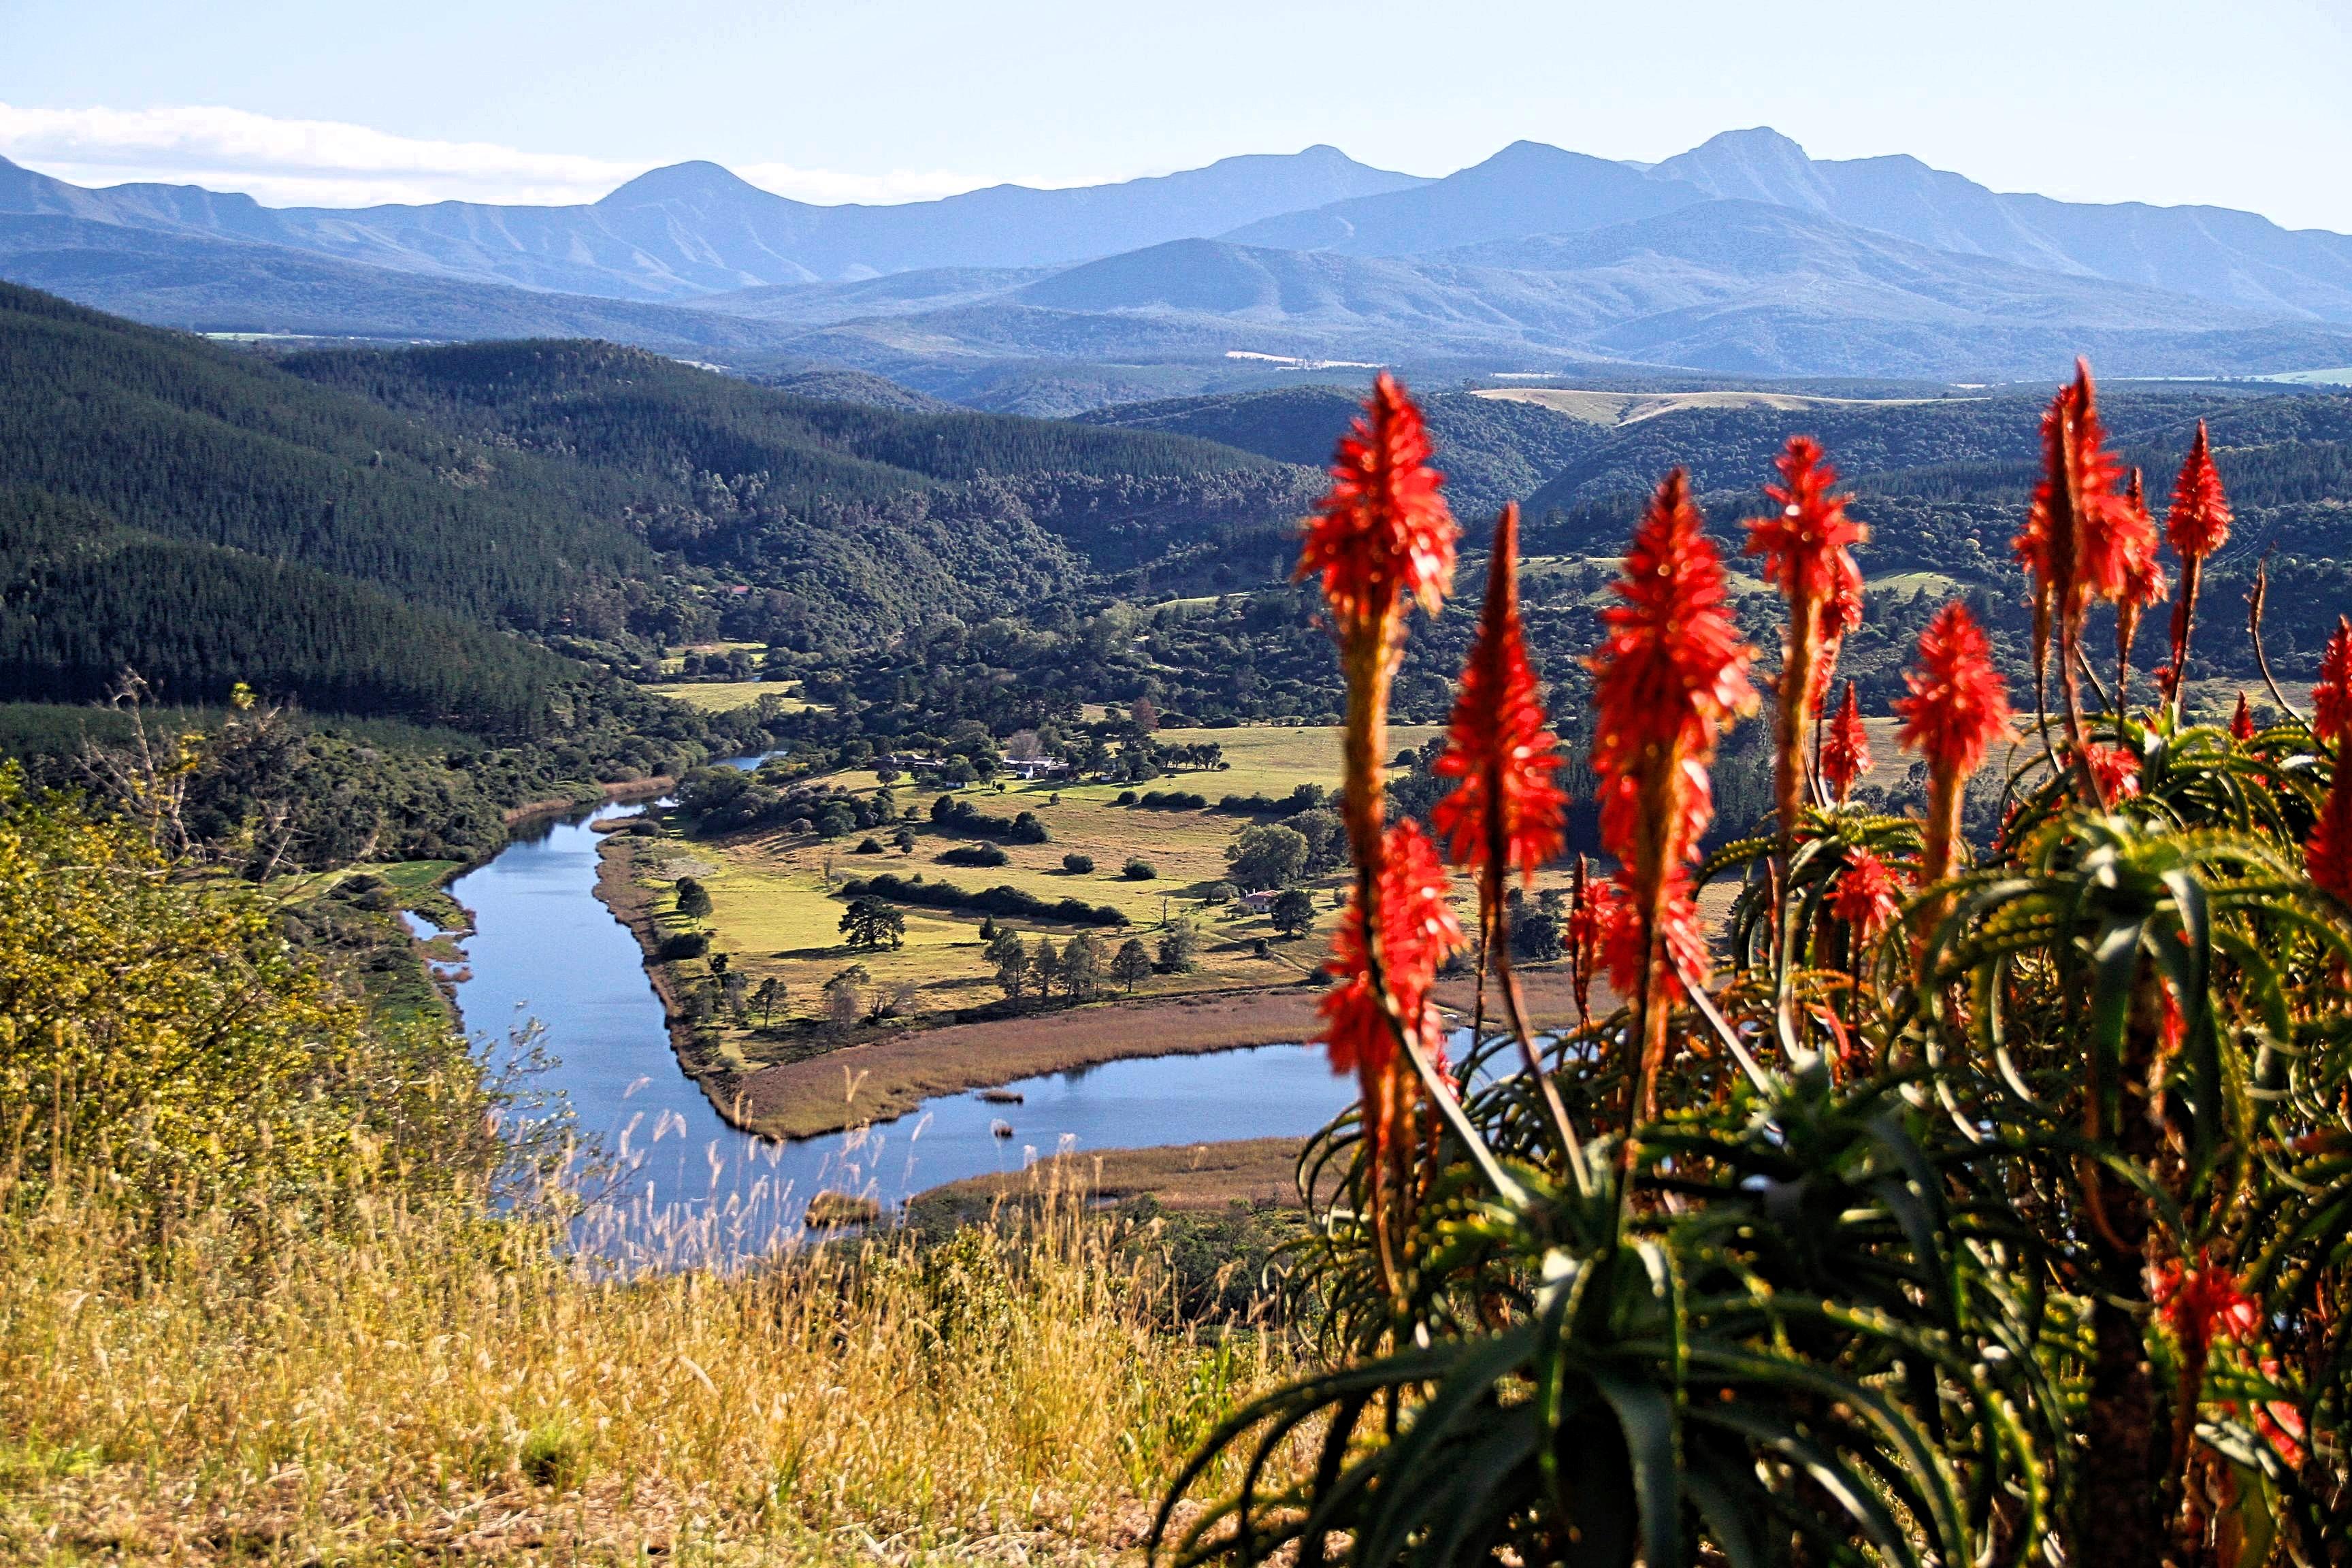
<point x="549" y="964"/>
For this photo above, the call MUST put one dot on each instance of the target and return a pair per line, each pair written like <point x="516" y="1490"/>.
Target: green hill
<point x="82" y="599"/>
<point x="190" y="441"/>
<point x="1492" y="450"/>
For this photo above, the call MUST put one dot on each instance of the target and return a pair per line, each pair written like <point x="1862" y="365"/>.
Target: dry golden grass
<point x="431" y="1385"/>
<point x="718" y="696"/>
<point x="776" y="912"/>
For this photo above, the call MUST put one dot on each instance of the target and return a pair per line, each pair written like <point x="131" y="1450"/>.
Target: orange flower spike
<point x="1805" y="546"/>
<point x="2118" y="770"/>
<point x="1864" y="897"/>
<point x="1625" y="952"/>
<point x="1383" y="533"/>
<point x="2205" y="1303"/>
<point x="1845" y="749"/>
<point x="2198" y="525"/>
<point x="1671" y="673"/>
<point x="2081" y="539"/>
<point x="2331" y="696"/>
<point x="1506" y="809"/>
<point x="2144" y="584"/>
<point x="2327" y="853"/>
<point x="1417" y="932"/>
<point x="2242" y="723"/>
<point x="1958" y="707"/>
<point x="1381" y="538"/>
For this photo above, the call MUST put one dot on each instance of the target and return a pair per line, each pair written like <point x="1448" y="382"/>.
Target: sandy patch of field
<point x="1617" y="408"/>
<point x="1186" y="1177"/>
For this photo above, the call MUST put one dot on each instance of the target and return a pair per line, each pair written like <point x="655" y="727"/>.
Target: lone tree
<point x="871" y="922"/>
<point x="1045" y="966"/>
<point x="1012" y="961"/>
<point x="1294" y="913"/>
<point x="1177" y="945"/>
<point x="1267" y="856"/>
<point x="904" y="840"/>
<point x="693" y="898"/>
<point x="1132" y="964"/>
<point x="843" y="1002"/>
<point x="771" y="992"/>
<point x="1082" y="967"/>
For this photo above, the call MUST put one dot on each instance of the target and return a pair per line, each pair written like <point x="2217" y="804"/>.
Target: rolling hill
<point x="368" y="532"/>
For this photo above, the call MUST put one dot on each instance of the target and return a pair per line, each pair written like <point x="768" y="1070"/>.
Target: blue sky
<point x="890" y="99"/>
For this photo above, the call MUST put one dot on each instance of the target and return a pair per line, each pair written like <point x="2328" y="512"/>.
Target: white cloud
<point x="321" y="163"/>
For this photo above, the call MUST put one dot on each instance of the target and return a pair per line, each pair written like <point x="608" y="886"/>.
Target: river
<point x="546" y="955"/>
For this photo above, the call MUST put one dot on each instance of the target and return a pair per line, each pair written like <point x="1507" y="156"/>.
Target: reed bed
<point x="425" y="1382"/>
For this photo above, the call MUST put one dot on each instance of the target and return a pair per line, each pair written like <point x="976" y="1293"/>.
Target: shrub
<point x="1220" y="893"/>
<point x="974" y="855"/>
<point x="681" y="944"/>
<point x="1009" y="902"/>
<point x="1139" y="870"/>
<point x="1126" y="797"/>
<point x="693" y="898"/>
<point x="869" y="846"/>
<point x="1079" y="865"/>
<point x="166" y="1030"/>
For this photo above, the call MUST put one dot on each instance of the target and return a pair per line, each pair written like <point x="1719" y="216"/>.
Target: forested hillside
<point x="83" y="599"/>
<point x="1494" y="451"/>
<point x="172" y="434"/>
<point x="852" y="520"/>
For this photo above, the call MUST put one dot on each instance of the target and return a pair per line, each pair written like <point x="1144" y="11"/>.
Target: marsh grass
<point x="423" y="1381"/>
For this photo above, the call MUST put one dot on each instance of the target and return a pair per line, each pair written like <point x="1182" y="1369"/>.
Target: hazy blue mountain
<point x="2213" y="253"/>
<point x="695" y="228"/>
<point x="893" y="294"/>
<point x="226" y="285"/>
<point x="1729" y="286"/>
<point x="1526" y="188"/>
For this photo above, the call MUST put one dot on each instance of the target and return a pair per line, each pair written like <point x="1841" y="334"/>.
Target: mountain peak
<point x="696" y="180"/>
<point x="1755" y="164"/>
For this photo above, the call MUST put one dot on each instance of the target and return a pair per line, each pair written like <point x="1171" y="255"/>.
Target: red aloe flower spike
<point x="1384" y="531"/>
<point x="2327" y="853"/>
<point x="1626" y="954"/>
<point x="1845" y="753"/>
<point x="2080" y="541"/>
<point x="1507" y="809"/>
<point x="2118" y="770"/>
<point x="2242" y="723"/>
<point x="2198" y="521"/>
<point x="2331" y="696"/>
<point x="1585" y="922"/>
<point x="1957" y="708"/>
<point x="1416" y="931"/>
<point x="2205" y="1303"/>
<point x="1805" y="546"/>
<point x="1380" y="539"/>
<point x="1671" y="673"/>
<point x="1864" y="897"/>
<point x="2143" y="586"/>
<point x="2198" y="525"/>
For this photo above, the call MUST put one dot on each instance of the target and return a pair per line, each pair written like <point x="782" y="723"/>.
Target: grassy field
<point x="424" y="1386"/>
<point x="777" y="913"/>
<point x="721" y="695"/>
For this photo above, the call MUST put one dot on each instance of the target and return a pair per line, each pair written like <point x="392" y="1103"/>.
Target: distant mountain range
<point x="1741" y="256"/>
